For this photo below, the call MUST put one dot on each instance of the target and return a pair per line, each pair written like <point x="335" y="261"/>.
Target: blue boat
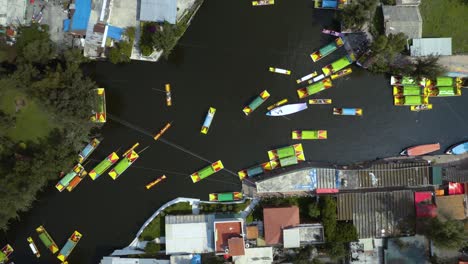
<point x="86" y="152"/>
<point x="208" y="119"/>
<point x="458" y="149"/>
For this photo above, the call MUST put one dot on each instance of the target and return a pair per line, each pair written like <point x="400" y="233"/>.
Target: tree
<point x="314" y="210"/>
<point x="123" y="50"/>
<point x="328" y="212"/>
<point x="152" y="248"/>
<point x="346" y="232"/>
<point x="427" y="67"/>
<point x="354" y="17"/>
<point x="336" y="250"/>
<point x="34" y="44"/>
<point x="449" y="234"/>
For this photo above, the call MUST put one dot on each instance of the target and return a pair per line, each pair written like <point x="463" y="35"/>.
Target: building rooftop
<point x="424" y="204"/>
<point x="378" y="214"/>
<point x="277" y="219"/>
<point x="431" y="46"/>
<point x="236" y="246"/>
<point x="189" y="234"/>
<point x="257" y="255"/>
<point x="451" y="207"/>
<point x="252" y="232"/>
<point x="291" y="238"/>
<point x="408" y="2"/>
<point x="223" y="231"/>
<point x="118" y="260"/>
<point x="405" y="19"/>
<point x="158" y="10"/>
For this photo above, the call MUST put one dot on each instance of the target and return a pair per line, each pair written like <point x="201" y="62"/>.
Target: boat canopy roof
<point x="309" y="134"/>
<point x="205" y="172"/>
<point x="225" y="197"/>
<point x="348" y="111"/>
<point x="328" y="49"/>
<point x="444" y="81"/>
<point x="329" y="3"/>
<point x="411" y="90"/>
<point x="254" y="171"/>
<point x="413" y="99"/>
<point x="286" y="152"/>
<point x="341" y="63"/>
<point x="288" y="161"/>
<point x="256" y="103"/>
<point x="315" y="88"/>
<point x="67" y="248"/>
<point x="407" y="80"/>
<point x="446" y="90"/>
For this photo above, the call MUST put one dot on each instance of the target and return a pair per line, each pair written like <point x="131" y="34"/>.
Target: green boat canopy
<point x="309" y="134"/>
<point x="286" y="152"/>
<point x="407" y="80"/>
<point x="413" y="100"/>
<point x="315" y="88"/>
<point x="205" y="172"/>
<point x="328" y="49"/>
<point x="288" y="161"/>
<point x="223" y="197"/>
<point x="411" y="90"/>
<point x="444" y="81"/>
<point x="446" y="91"/>
<point x="341" y="63"/>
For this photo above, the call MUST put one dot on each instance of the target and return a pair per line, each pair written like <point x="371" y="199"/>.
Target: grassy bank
<point x="446" y="18"/>
<point x="32" y="122"/>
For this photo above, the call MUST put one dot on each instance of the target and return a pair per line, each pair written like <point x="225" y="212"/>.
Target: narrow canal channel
<point x="222" y="62"/>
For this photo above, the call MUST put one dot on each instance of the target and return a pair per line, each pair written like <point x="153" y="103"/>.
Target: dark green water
<point x="222" y="61"/>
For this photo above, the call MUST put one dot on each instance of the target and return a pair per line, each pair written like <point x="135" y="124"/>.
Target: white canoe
<point x="287" y="109"/>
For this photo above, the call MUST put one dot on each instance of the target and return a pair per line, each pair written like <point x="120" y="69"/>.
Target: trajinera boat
<point x="281" y="102"/>
<point x="348" y="111"/>
<point x="458" y="149"/>
<point x="279" y="70"/>
<point x="320" y="101"/>
<point x="127" y="160"/>
<point x="314" y="88"/>
<point x="99" y="111"/>
<point x="417" y="108"/>
<point x="263" y="2"/>
<point x="207" y="171"/>
<point x="65" y="181"/>
<point x="420" y="149"/>
<point x="104" y="165"/>
<point x="225" y="197"/>
<point x="327" y="50"/>
<point x="47" y="239"/>
<point x="86" y="152"/>
<point x="69" y="246"/>
<point x="33" y="247"/>
<point x="309" y="134"/>
<point x="6" y="252"/>
<point x="208" y="119"/>
<point x="168" y="94"/>
<point x="256" y="102"/>
<point x="307" y="77"/>
<point x="287" y="109"/>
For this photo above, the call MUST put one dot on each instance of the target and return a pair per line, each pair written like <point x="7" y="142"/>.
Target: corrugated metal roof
<point x="386" y="175"/>
<point x="189" y="234"/>
<point x="453" y="174"/>
<point x="291" y="238"/>
<point x="405" y="19"/>
<point x="378" y="214"/>
<point x="431" y="46"/>
<point x="158" y="10"/>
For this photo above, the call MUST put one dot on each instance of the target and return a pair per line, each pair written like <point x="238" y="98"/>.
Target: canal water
<point x="222" y="62"/>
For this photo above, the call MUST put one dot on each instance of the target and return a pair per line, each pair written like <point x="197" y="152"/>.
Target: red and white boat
<point x="420" y="150"/>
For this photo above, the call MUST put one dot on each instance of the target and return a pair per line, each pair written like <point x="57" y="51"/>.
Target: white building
<point x="187" y="234"/>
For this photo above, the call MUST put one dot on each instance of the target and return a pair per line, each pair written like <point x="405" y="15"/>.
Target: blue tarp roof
<point x="66" y="25"/>
<point x="158" y="10"/>
<point x="81" y="16"/>
<point x="330" y="4"/>
<point x="196" y="259"/>
<point x="114" y="32"/>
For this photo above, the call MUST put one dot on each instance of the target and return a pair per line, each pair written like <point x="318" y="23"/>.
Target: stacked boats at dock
<point x="416" y="93"/>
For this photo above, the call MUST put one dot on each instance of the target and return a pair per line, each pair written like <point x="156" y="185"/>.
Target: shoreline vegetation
<point x="45" y="110"/>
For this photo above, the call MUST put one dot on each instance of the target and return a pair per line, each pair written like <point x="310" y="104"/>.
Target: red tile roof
<point x="276" y="219"/>
<point x="224" y="231"/>
<point x="236" y="246"/>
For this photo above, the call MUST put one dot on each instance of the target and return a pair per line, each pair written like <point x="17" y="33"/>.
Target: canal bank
<point x="222" y="61"/>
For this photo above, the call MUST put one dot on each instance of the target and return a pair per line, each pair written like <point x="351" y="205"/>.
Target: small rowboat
<point x="279" y="70"/>
<point x="162" y="131"/>
<point x="309" y="134"/>
<point x="341" y="73"/>
<point x="33" y="247"/>
<point x="282" y="102"/>
<point x="331" y="32"/>
<point x="418" y="108"/>
<point x="307" y="77"/>
<point x="458" y="149"/>
<point x="287" y="109"/>
<point x="320" y="101"/>
<point x="263" y="2"/>
<point x="420" y="150"/>
<point x="153" y="183"/>
<point x="208" y="119"/>
<point x="168" y="95"/>
<point x="348" y="111"/>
